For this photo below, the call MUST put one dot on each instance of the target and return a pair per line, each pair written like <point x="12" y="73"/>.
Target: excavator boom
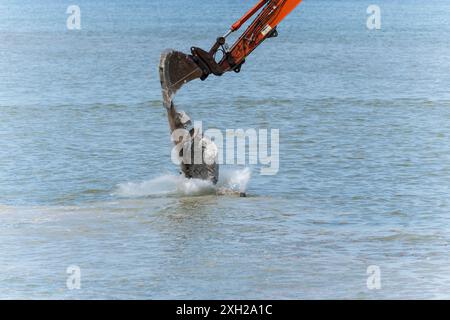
<point x="177" y="68"/>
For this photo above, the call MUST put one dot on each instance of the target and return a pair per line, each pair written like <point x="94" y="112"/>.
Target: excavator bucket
<point x="176" y="69"/>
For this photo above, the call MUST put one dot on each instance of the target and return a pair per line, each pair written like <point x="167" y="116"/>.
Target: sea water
<point x="86" y="178"/>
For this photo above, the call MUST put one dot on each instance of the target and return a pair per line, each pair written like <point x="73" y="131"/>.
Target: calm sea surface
<point x="86" y="177"/>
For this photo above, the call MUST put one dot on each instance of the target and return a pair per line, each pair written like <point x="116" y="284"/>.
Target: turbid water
<point x="86" y="177"/>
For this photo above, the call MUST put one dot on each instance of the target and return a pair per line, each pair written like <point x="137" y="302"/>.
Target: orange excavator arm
<point x="271" y="13"/>
<point x="248" y="15"/>
<point x="177" y="68"/>
<point x="263" y="27"/>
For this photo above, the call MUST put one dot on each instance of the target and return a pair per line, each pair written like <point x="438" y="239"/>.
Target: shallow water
<point x="86" y="177"/>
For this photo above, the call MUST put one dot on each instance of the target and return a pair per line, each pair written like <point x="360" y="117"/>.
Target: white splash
<point x="231" y="181"/>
